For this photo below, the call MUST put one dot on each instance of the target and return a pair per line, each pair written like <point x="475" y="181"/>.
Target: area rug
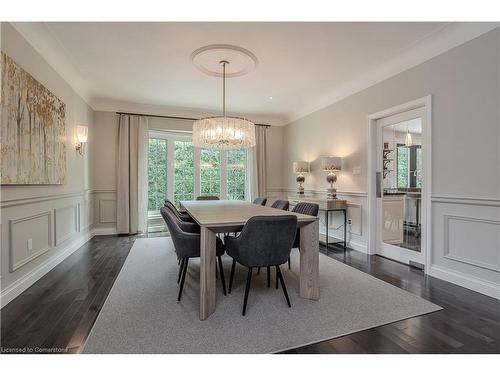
<point x="142" y="315"/>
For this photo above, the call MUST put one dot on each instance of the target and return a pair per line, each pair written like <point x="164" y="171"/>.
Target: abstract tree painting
<point x="32" y="131"/>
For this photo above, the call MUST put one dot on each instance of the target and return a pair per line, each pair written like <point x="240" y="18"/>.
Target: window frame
<point x="171" y="137"/>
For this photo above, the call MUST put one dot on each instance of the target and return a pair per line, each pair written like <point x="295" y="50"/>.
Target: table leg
<point x="207" y="273"/>
<point x="326" y="240"/>
<point x="345" y="230"/>
<point x="309" y="260"/>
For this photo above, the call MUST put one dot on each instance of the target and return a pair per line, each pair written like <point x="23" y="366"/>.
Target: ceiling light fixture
<point x="223" y="132"/>
<point x="408" y="140"/>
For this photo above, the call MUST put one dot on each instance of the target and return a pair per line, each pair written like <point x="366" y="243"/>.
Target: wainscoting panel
<point x="37" y="233"/>
<point x="66" y="223"/>
<point x="107" y="211"/>
<point x="30" y="237"/>
<point x="460" y="236"/>
<point x="466" y="243"/>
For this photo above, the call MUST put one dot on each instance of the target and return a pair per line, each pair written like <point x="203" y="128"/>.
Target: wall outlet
<point x="349" y="221"/>
<point x="30" y="244"/>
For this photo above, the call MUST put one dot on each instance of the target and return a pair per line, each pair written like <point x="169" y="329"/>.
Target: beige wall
<point x="464" y="84"/>
<point x="57" y="218"/>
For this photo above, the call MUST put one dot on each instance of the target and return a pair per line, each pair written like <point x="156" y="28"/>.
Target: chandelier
<point x="223" y="132"/>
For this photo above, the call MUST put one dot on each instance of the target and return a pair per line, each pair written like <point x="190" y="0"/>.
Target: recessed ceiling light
<point x="270" y="98"/>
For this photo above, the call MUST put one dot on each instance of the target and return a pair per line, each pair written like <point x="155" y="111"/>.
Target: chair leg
<point x="278" y="272"/>
<point x="232" y="276"/>
<point x="268" y="276"/>
<point x="221" y="269"/>
<point x="182" y="279"/>
<point x="180" y="271"/>
<point x="247" y="288"/>
<point x="289" y="265"/>
<point x="258" y="271"/>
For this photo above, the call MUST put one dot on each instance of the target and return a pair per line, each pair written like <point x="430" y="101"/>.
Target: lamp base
<point x="300" y="190"/>
<point x="331" y="193"/>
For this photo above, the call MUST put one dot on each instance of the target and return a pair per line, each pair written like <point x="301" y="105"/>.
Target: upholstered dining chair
<point x="260" y="200"/>
<point x="207" y="198"/>
<point x="264" y="241"/>
<point x="281" y="205"/>
<point x="305" y="208"/>
<point x="187" y="245"/>
<point x="182" y="216"/>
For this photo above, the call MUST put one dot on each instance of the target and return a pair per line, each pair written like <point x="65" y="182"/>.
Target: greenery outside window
<point x="179" y="171"/>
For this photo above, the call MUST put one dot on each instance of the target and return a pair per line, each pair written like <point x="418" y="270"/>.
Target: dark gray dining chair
<point x="264" y="241"/>
<point x="304" y="208"/>
<point x="182" y="216"/>
<point x="207" y="198"/>
<point x="281" y="205"/>
<point x="187" y="245"/>
<point x="260" y="200"/>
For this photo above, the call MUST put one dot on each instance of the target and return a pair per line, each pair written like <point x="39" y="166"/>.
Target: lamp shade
<point x="82" y="133"/>
<point x="331" y="163"/>
<point x="300" y="167"/>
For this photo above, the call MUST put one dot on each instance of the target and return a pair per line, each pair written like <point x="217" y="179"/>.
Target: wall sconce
<point x="331" y="164"/>
<point x="300" y="167"/>
<point x="82" y="133"/>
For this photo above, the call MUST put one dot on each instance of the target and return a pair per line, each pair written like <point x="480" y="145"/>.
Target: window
<point x="179" y="171"/>
<point x="236" y="174"/>
<point x="157" y="173"/>
<point x="183" y="171"/>
<point x="409" y="166"/>
<point x="210" y="172"/>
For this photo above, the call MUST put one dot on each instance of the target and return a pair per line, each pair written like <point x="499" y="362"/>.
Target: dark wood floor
<point x="57" y="313"/>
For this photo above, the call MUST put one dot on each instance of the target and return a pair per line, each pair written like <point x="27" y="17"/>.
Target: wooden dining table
<point x="224" y="216"/>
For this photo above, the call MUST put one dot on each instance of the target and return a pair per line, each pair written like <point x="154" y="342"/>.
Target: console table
<point x="326" y="205"/>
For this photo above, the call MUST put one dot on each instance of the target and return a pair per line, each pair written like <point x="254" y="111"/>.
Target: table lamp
<point x="331" y="164"/>
<point x="299" y="168"/>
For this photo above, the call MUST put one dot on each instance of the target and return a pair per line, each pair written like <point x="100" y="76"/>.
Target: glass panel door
<point x="210" y="172"/>
<point x="400" y="163"/>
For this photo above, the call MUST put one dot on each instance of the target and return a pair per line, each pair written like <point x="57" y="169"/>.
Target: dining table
<point x="227" y="216"/>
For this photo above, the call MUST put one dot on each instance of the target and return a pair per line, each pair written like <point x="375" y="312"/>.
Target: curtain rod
<point x="171" y="117"/>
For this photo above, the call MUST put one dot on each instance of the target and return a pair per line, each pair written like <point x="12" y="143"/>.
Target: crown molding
<point x="451" y="36"/>
<point x="109" y="105"/>
<point x="46" y="45"/>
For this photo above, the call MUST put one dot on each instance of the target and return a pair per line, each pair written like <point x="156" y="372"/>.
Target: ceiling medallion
<point x="223" y="132"/>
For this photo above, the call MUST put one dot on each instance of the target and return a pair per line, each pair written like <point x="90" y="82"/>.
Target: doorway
<point x="399" y="198"/>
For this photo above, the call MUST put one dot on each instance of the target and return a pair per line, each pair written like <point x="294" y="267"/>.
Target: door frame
<point x="425" y="103"/>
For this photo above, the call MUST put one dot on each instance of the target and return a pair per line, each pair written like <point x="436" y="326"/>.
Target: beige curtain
<point x="257" y="184"/>
<point x="132" y="199"/>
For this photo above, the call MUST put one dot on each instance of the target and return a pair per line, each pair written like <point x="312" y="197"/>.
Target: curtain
<point x="132" y="189"/>
<point x="257" y="184"/>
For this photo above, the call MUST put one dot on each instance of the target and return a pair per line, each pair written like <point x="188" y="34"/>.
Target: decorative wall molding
<point x="42" y="198"/>
<point x="466" y="200"/>
<point x="323" y="192"/>
<point x="447" y="251"/>
<point x="103" y="217"/>
<point x="103" y="191"/>
<point x="60" y="236"/>
<point x="13" y="266"/>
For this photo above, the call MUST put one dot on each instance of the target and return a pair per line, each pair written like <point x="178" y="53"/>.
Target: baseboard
<point x="20" y="285"/>
<point x="104" y="231"/>
<point x="358" y="246"/>
<point x="476" y="284"/>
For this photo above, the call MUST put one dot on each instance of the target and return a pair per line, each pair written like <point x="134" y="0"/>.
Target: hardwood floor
<point x="57" y="313"/>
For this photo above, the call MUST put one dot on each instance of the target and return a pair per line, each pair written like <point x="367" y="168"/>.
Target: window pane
<point x="236" y="172"/>
<point x="402" y="166"/>
<point x="183" y="171"/>
<point x="210" y="172"/>
<point x="419" y="167"/>
<point x="157" y="173"/>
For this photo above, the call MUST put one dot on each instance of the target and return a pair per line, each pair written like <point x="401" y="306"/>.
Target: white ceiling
<point x="302" y="66"/>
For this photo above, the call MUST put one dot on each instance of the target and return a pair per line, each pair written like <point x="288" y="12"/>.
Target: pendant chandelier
<point x="408" y="140"/>
<point x="223" y="132"/>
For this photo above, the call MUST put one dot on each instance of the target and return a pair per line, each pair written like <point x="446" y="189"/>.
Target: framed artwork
<point x="32" y="131"/>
